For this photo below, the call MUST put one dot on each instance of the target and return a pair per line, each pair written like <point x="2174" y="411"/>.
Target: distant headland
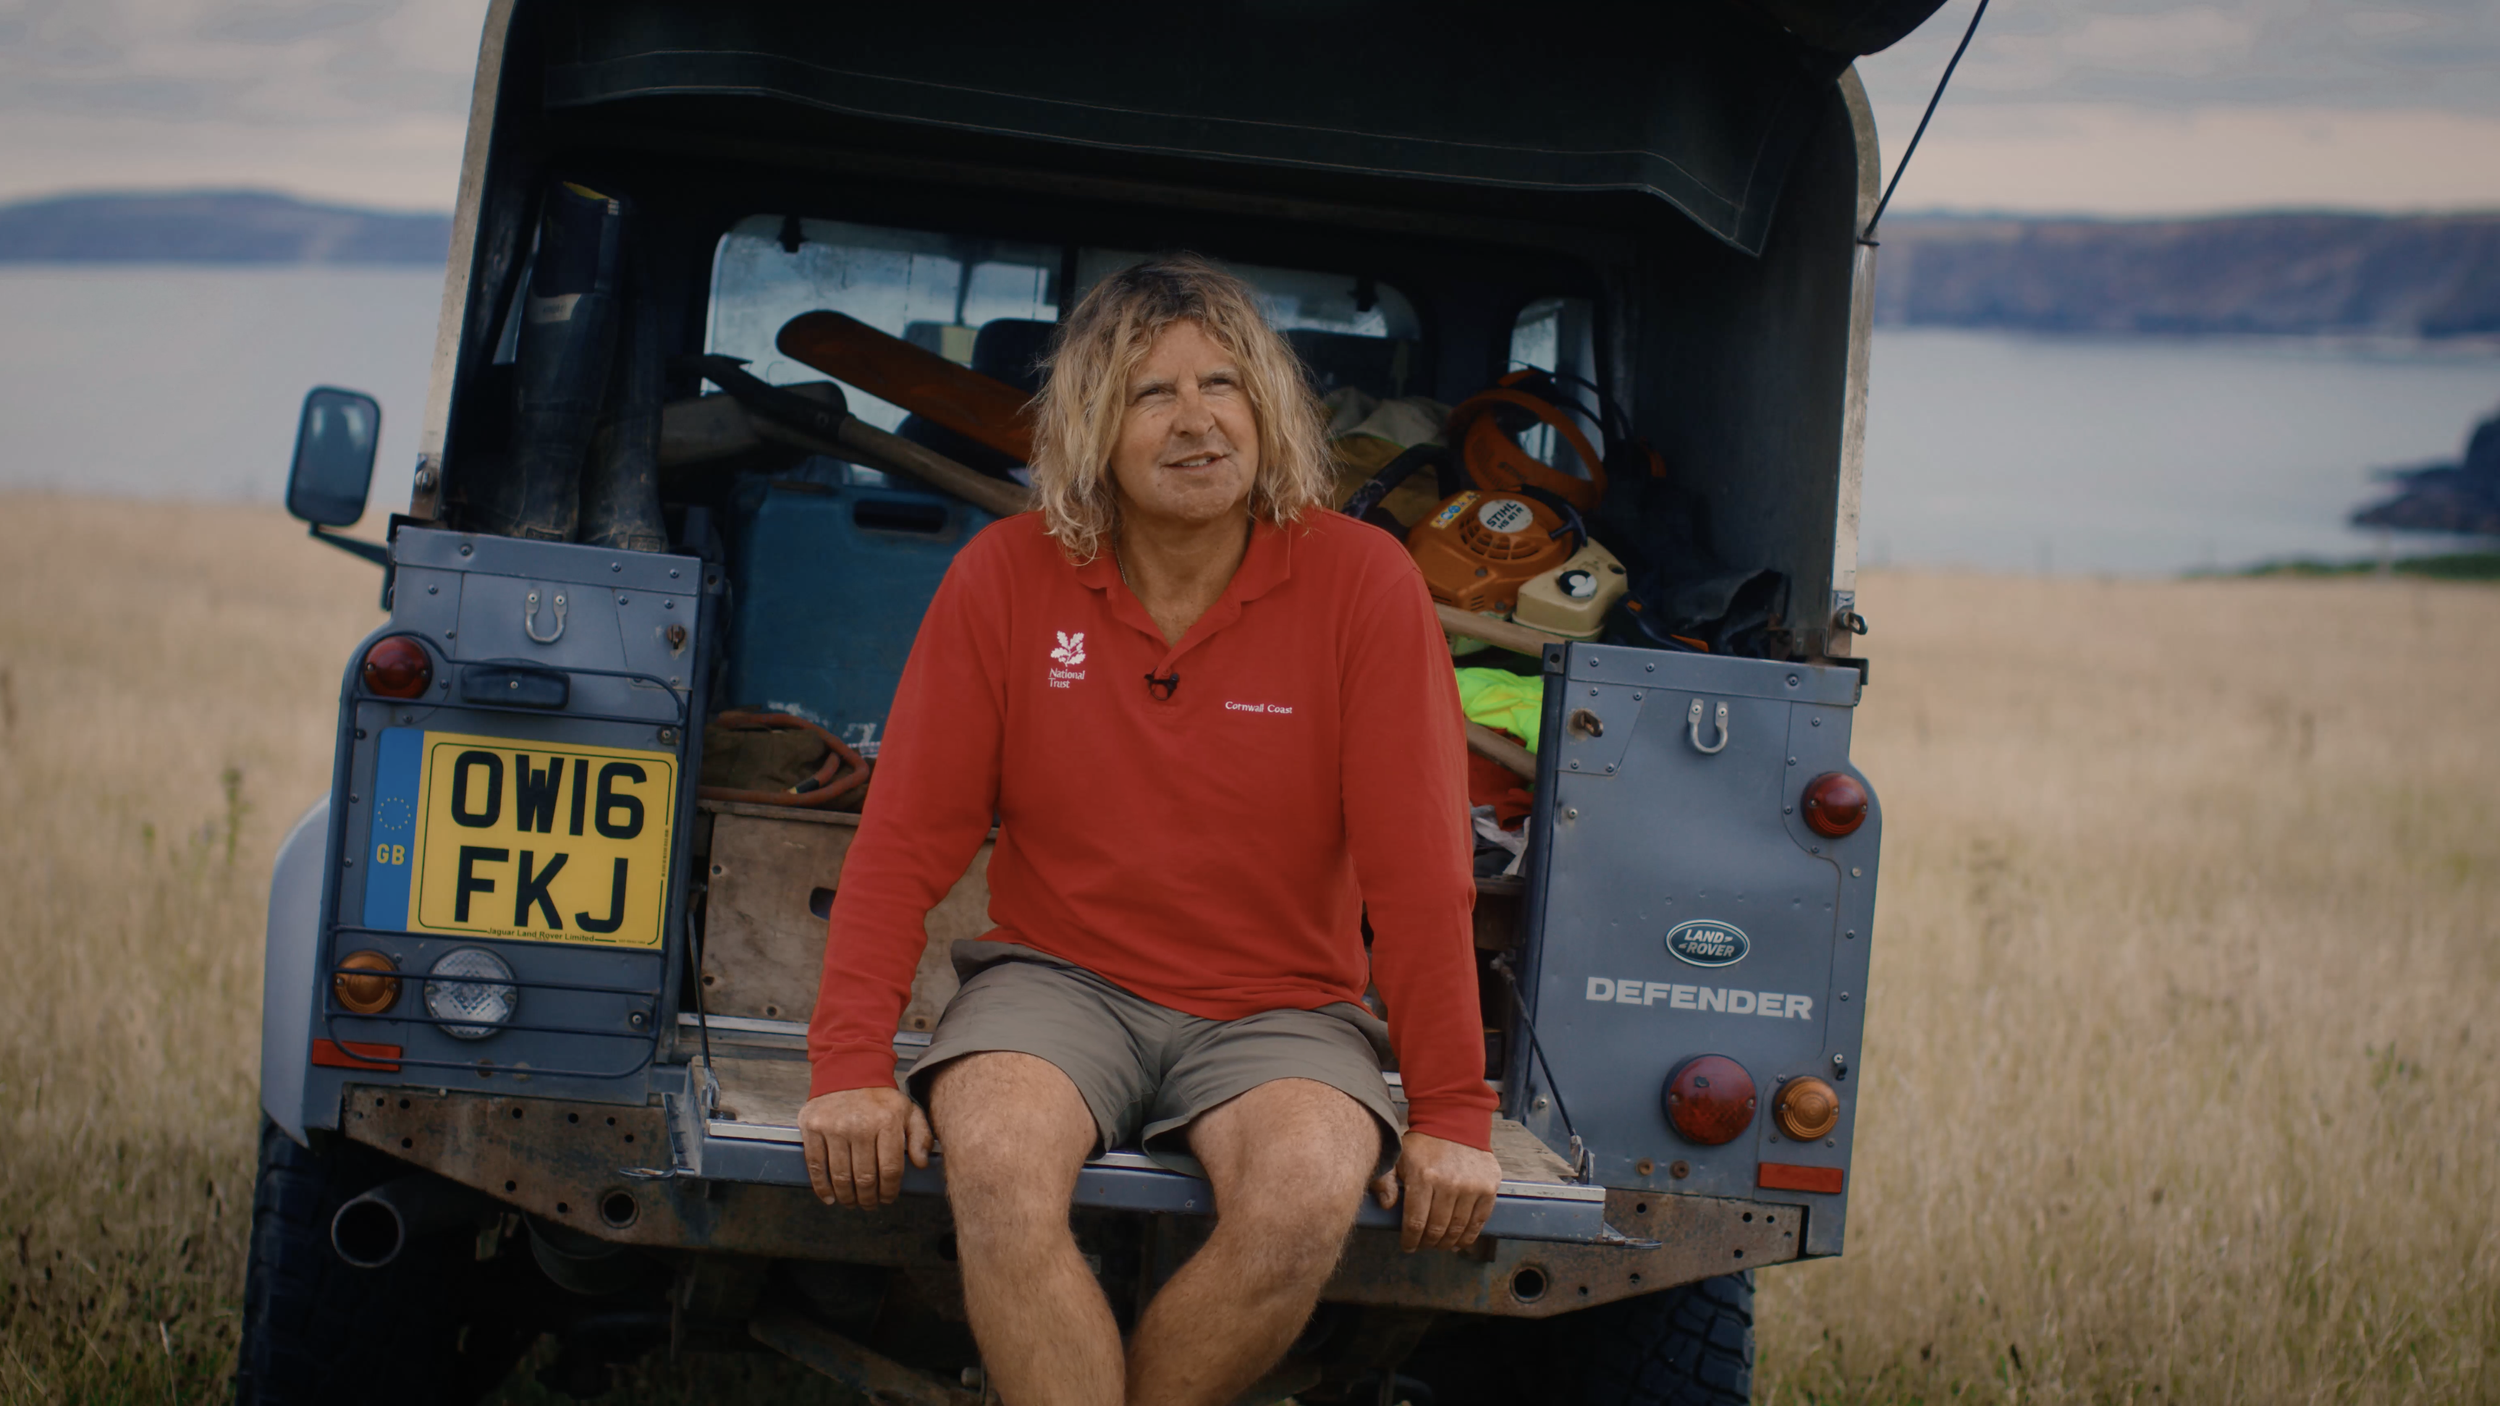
<point x="2267" y="274"/>
<point x="2273" y="274"/>
<point x="215" y="227"/>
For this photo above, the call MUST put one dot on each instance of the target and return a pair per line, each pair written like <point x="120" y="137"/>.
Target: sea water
<point x="2016" y="452"/>
<point x="185" y="382"/>
<point x="1999" y="451"/>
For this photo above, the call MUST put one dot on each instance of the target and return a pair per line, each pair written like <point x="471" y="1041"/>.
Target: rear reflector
<point x="1783" y="1176"/>
<point x="354" y="1054"/>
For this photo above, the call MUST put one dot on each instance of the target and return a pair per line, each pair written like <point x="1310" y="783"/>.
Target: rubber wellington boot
<point x="567" y="340"/>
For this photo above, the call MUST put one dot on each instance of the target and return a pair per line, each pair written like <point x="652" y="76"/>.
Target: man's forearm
<point x="872" y="951"/>
<point x="1424" y="963"/>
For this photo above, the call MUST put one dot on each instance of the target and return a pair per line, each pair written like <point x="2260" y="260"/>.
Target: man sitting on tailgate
<point x="1217" y="726"/>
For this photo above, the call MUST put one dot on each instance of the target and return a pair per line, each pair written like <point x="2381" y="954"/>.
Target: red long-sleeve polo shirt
<point x="1214" y="852"/>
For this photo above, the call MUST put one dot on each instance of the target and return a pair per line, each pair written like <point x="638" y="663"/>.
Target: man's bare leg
<point x="1015" y="1131"/>
<point x="1289" y="1161"/>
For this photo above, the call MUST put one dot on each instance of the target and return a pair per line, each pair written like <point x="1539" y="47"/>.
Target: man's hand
<point x="1449" y="1189"/>
<point x="855" y="1141"/>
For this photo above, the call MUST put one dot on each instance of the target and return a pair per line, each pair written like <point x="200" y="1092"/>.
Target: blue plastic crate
<point x="831" y="569"/>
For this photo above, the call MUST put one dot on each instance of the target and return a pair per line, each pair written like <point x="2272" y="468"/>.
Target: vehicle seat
<point x="1383" y="367"/>
<point x="1006" y="349"/>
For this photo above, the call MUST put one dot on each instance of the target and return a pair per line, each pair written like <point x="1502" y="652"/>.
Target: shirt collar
<point x="1266" y="564"/>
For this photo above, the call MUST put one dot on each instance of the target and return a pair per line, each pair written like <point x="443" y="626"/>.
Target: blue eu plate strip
<point x="394" y="840"/>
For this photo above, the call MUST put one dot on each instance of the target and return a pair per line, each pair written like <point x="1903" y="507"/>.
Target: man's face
<point x="1188" y="449"/>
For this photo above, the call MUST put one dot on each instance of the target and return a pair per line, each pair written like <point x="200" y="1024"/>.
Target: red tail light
<point x="1835" y="804"/>
<point x="398" y="667"/>
<point x="1710" y="1099"/>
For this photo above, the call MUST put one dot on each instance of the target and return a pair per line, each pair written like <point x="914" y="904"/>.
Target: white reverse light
<point x="481" y="1006"/>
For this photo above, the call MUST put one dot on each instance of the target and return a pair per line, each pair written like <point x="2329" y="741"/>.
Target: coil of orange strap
<point x="843" y="772"/>
<point x="1494" y="460"/>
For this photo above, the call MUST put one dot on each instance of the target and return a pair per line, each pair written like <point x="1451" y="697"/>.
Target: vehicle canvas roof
<point x="1703" y="105"/>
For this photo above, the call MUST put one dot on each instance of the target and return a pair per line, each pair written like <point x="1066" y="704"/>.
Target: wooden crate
<point x="773" y="874"/>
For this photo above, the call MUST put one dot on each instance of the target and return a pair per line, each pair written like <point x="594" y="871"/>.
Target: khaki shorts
<point x="1146" y="1070"/>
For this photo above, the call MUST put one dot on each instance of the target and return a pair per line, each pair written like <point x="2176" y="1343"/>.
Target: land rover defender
<point x="540" y="964"/>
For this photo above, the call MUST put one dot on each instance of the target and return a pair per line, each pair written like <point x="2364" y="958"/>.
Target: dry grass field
<point x="2175" y="1089"/>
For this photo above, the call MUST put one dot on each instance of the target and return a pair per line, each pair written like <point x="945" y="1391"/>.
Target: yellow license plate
<point x="504" y="838"/>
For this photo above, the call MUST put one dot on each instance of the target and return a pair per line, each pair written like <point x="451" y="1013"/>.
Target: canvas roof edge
<point x="1703" y="107"/>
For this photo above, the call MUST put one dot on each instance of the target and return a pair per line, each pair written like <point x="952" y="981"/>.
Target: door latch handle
<point x="1692" y="728"/>
<point x="529" y="622"/>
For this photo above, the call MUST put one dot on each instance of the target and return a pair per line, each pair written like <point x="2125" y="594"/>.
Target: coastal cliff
<point x="2288" y="274"/>
<point x="2425" y="276"/>
<point x="215" y="227"/>
<point x="2462" y="498"/>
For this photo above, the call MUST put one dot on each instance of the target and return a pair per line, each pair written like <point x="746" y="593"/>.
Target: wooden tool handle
<point x="1485" y="742"/>
<point x="995" y="496"/>
<point x="1518" y="639"/>
<point x="716" y="426"/>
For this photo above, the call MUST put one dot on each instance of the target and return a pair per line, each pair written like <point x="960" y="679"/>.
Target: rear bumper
<point x="1128" y="1181"/>
<point x="653" y="1178"/>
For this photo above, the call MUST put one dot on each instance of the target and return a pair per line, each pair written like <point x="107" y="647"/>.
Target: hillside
<point x="2266" y="274"/>
<point x="215" y="227"/>
<point x="2306" y="274"/>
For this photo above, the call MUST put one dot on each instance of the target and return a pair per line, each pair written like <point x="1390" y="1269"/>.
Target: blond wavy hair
<point x="1084" y="397"/>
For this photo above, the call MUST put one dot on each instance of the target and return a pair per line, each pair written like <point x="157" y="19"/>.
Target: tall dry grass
<point x="2174" y="1090"/>
<point x="2182" y="1080"/>
<point x="168" y="678"/>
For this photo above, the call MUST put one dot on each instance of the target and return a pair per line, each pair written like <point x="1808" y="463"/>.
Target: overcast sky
<point x="2152" y="106"/>
<point x="2118" y="107"/>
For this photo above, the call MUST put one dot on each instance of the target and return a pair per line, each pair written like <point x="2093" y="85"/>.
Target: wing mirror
<point x="335" y="442"/>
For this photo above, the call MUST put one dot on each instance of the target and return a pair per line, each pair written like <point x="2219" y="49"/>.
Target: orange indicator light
<point x="1807" y="1109"/>
<point x="366" y="995"/>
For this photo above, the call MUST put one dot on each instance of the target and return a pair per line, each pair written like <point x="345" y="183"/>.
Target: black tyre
<point x="433" y="1326"/>
<point x="1691" y="1346"/>
<point x="1686" y="1347"/>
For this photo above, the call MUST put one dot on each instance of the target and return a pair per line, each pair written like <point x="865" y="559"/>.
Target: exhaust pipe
<point x="370" y="1230"/>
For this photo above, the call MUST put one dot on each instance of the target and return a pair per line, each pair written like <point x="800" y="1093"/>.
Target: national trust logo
<point x="1066" y="658"/>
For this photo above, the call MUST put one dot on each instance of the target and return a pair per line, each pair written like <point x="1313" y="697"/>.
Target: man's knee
<point x="1012" y="1130"/>
<point x="1289" y="1133"/>
<point x="1290" y="1162"/>
<point x="1304" y="1220"/>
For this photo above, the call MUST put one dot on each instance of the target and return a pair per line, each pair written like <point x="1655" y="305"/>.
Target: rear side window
<point x="1557" y="335"/>
<point x="1350" y="331"/>
<point x="992" y="304"/>
<point x="983" y="303"/>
